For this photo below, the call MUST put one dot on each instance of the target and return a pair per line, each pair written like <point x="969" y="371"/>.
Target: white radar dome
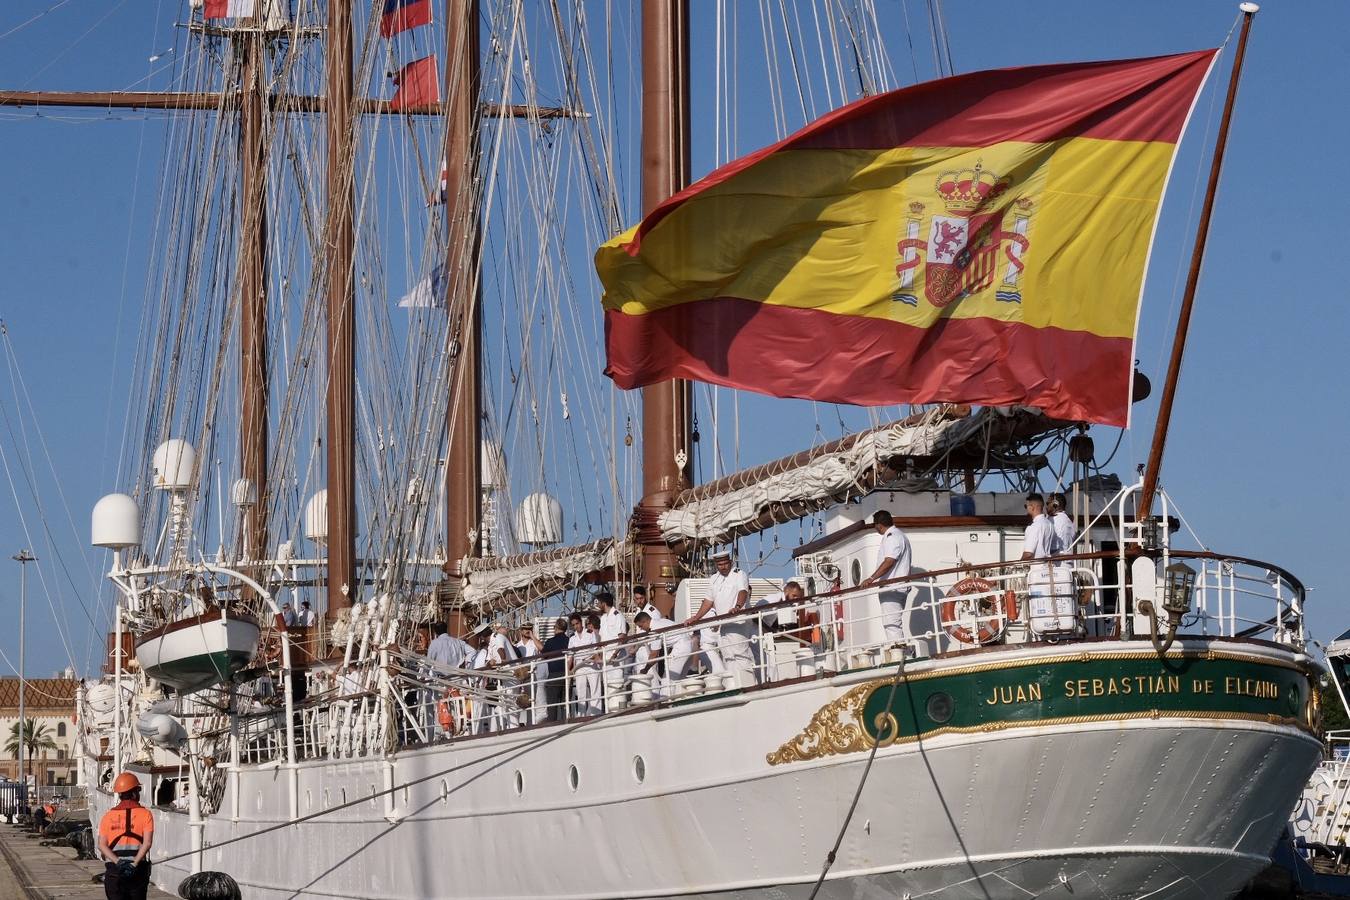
<point x="316" y="517"/>
<point x="116" y="523"/>
<point x="539" y="520"/>
<point x="175" y="462"/>
<point x="243" y="493"/>
<point x="492" y="465"/>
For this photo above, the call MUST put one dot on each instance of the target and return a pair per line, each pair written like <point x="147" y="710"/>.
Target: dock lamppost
<point x="23" y="557"/>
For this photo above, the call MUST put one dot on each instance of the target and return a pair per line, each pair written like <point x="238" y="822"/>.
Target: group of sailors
<point x="1050" y="533"/>
<point x="535" y="681"/>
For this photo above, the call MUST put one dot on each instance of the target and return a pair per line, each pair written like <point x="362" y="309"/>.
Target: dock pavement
<point x="29" y="871"/>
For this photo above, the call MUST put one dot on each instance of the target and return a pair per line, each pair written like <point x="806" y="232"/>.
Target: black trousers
<point x="553" y="696"/>
<point x="115" y="887"/>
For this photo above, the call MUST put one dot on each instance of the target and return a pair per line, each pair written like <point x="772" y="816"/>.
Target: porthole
<point x="520" y="782"/>
<point x="573" y="777"/>
<point x="445" y="791"/>
<point x="327" y="800"/>
<point x="940" y="707"/>
<point x="373" y="795"/>
<point x="856" y="571"/>
<point x="344" y="797"/>
<point x="639" y="769"/>
<point x="309" y="800"/>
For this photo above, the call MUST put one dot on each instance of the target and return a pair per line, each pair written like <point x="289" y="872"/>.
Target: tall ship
<point x="903" y="682"/>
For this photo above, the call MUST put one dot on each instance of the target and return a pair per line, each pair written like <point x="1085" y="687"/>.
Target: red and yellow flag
<point x="978" y="239"/>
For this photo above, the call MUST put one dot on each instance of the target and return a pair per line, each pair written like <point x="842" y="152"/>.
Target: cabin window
<point x="520" y="782"/>
<point x="856" y="571"/>
<point x="573" y="778"/>
<point x="639" y="769"/>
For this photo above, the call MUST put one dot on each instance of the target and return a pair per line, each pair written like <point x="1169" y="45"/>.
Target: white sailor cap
<point x="482" y="628"/>
<point x="724" y="553"/>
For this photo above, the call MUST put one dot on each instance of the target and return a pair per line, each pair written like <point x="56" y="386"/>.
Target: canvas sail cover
<point x="977" y="239"/>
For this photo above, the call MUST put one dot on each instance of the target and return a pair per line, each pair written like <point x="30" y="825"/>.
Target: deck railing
<point x="399" y="698"/>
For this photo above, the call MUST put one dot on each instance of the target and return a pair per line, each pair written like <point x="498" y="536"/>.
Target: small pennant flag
<point x="429" y="293"/>
<point x="400" y="15"/>
<point x="228" y="9"/>
<point x="437" y="197"/>
<point x="418" y="84"/>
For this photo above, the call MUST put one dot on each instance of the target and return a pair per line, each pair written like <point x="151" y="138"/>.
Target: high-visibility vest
<point x="127" y="824"/>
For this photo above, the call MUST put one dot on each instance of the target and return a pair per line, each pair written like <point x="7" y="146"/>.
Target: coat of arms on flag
<point x="978" y="238"/>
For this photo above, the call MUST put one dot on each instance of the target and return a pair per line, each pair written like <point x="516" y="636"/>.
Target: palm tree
<point x="35" y="737"/>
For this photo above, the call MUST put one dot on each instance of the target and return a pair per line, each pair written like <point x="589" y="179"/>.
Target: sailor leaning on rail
<point x="727" y="647"/>
<point x="125" y="834"/>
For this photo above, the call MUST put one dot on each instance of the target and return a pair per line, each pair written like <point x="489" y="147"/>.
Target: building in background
<point x="50" y="703"/>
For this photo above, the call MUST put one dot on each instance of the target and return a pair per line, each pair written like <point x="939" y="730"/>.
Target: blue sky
<point x="1261" y="418"/>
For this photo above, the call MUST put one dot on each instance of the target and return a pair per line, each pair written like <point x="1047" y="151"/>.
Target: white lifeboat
<point x="196" y="652"/>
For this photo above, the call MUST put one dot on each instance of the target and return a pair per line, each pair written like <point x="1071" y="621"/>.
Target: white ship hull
<point x="1167" y="807"/>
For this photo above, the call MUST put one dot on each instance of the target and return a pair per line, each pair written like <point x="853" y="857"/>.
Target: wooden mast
<point x="667" y="446"/>
<point x="463" y="479"/>
<point x="1169" y="391"/>
<point x="340" y="399"/>
<point x="253" y="368"/>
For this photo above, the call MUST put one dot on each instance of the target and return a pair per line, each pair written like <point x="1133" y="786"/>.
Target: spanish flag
<point x="977" y="239"/>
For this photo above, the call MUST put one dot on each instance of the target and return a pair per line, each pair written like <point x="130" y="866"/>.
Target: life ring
<point x="445" y="713"/>
<point x="991" y="629"/>
<point x="272" y="650"/>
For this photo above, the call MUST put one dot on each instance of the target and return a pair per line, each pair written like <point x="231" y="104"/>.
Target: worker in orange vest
<point x="125" y="835"/>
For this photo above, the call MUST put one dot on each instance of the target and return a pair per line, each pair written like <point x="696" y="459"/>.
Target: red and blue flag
<point x="400" y="15"/>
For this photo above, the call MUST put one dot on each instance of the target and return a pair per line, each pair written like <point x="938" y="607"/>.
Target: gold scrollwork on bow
<point x="835" y="728"/>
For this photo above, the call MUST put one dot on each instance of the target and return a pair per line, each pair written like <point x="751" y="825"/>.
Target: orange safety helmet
<point x="126" y="782"/>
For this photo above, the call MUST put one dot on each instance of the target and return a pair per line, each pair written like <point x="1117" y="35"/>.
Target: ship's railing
<point x="1322" y="815"/>
<point x="396" y="697"/>
<point x="1066" y="598"/>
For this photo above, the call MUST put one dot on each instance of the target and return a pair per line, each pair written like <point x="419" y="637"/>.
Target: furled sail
<point x="815" y="479"/>
<point x="497" y="582"/>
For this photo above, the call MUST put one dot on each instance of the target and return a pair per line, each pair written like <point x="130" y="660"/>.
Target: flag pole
<point x="1169" y="391"/>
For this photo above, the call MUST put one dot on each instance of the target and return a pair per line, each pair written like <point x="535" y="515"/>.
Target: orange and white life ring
<point x="446" y="717"/>
<point x="272" y="650"/>
<point x="992" y="628"/>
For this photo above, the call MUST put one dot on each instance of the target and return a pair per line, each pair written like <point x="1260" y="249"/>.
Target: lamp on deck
<point x="1178" y="586"/>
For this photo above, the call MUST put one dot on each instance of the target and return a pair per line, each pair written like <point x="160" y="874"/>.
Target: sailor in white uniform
<point x="675" y="650"/>
<point x="726" y="647"/>
<point x="1048" y="612"/>
<point x="502" y="654"/>
<point x="893" y="561"/>
<point x="586" y="691"/>
<point x="481" y="715"/>
<point x="612" y="626"/>
<point x="1061" y="523"/>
